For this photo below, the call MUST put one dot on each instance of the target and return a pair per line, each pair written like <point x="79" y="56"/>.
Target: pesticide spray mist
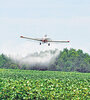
<point x="33" y="54"/>
<point x="41" y="59"/>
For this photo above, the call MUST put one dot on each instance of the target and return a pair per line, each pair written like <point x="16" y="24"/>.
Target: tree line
<point x="72" y="60"/>
<point x="67" y="60"/>
<point x="8" y="63"/>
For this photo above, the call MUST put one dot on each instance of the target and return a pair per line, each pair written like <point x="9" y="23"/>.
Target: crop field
<point x="43" y="85"/>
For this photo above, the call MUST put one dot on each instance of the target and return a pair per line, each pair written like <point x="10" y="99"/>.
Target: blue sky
<point x="59" y="19"/>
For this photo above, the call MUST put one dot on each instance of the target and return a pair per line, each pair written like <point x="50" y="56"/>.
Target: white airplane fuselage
<point x="45" y="40"/>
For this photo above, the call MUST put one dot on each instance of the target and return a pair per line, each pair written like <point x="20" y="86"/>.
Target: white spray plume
<point x="42" y="58"/>
<point x="32" y="53"/>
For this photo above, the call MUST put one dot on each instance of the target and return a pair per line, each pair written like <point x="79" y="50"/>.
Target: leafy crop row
<point x="43" y="85"/>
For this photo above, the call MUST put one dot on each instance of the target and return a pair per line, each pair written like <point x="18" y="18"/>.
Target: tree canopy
<point x="67" y="60"/>
<point x="6" y="62"/>
<point x="72" y="60"/>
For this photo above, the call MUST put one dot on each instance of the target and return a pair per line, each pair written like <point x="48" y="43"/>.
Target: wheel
<point x="48" y="44"/>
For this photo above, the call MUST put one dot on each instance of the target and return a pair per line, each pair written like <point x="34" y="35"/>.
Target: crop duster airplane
<point x="45" y="39"/>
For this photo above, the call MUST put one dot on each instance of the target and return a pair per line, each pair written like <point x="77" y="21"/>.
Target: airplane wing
<point x="59" y="41"/>
<point x="30" y="38"/>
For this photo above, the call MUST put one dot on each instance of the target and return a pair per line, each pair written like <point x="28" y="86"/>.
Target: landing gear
<point x="48" y="44"/>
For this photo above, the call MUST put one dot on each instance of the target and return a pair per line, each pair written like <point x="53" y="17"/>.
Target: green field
<point x="43" y="85"/>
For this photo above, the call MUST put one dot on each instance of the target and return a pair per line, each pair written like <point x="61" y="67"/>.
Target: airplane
<point x="45" y="39"/>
